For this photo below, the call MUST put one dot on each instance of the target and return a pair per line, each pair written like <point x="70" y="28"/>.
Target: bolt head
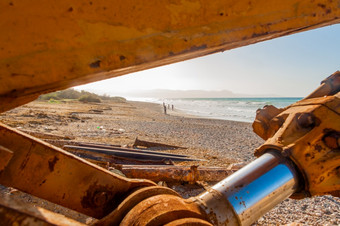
<point x="100" y="198"/>
<point x="306" y="120"/>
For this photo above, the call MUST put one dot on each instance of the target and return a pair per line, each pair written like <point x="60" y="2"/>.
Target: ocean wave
<point x="236" y="109"/>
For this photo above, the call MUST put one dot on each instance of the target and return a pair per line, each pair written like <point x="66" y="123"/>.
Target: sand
<point x="219" y="142"/>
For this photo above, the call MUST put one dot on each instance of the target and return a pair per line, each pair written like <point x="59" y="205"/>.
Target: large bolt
<point x="332" y="140"/>
<point x="100" y="198"/>
<point x="305" y="120"/>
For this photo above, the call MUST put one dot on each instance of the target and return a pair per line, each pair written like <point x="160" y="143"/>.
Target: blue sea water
<point x="236" y="109"/>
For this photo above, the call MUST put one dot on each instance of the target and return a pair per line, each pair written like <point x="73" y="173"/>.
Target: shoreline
<point x="233" y="109"/>
<point x="159" y="108"/>
<point x="181" y="113"/>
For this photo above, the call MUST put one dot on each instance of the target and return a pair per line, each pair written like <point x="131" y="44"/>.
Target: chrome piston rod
<point x="246" y="195"/>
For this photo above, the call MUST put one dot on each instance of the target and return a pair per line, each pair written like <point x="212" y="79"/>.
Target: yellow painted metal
<point x="318" y="162"/>
<point x="48" y="172"/>
<point x="47" y="46"/>
<point x="307" y="132"/>
<point x="5" y="156"/>
<point x="19" y="213"/>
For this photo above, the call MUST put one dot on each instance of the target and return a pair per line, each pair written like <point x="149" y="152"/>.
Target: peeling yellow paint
<point x="59" y="44"/>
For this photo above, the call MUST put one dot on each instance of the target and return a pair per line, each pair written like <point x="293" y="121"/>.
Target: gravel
<point x="220" y="142"/>
<point x="236" y="141"/>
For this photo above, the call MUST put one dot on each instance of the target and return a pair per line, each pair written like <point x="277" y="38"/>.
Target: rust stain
<point x="95" y="64"/>
<point x="337" y="169"/>
<point x="27" y="157"/>
<point x="191" y="49"/>
<point x="255" y="35"/>
<point x="318" y="148"/>
<point x="322" y="5"/>
<point x="52" y="162"/>
<point x="101" y="198"/>
<point x="43" y="182"/>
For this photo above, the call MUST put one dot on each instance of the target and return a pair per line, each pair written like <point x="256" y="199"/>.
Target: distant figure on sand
<point x="164" y="106"/>
<point x="172" y="107"/>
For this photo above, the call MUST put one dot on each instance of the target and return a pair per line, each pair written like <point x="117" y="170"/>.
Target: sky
<point x="290" y="66"/>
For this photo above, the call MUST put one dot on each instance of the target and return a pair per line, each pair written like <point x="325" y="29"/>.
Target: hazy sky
<point x="289" y="66"/>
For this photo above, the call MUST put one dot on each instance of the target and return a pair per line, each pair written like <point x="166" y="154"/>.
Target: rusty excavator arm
<point x="51" y="46"/>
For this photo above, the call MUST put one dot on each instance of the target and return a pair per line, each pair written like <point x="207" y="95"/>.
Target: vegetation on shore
<point x="82" y="96"/>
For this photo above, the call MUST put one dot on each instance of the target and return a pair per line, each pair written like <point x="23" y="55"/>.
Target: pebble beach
<point x="236" y="142"/>
<point x="218" y="142"/>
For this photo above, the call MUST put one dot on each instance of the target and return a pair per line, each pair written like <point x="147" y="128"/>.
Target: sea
<point x="235" y="109"/>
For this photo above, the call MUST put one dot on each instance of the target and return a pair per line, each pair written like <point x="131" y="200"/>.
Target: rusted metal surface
<point x="135" y="154"/>
<point x="238" y="200"/>
<point x="45" y="171"/>
<point x="93" y="144"/>
<point x="139" y="151"/>
<point x="61" y="143"/>
<point x="265" y="116"/>
<point x="15" y="213"/>
<point x="176" y="173"/>
<point x="59" y="44"/>
<point x="131" y="201"/>
<point x="329" y="86"/>
<point x="107" y="160"/>
<point x="149" y="144"/>
<point x="310" y="137"/>
<point x="5" y="156"/>
<point x="217" y="207"/>
<point x="189" y="221"/>
<point x="161" y="210"/>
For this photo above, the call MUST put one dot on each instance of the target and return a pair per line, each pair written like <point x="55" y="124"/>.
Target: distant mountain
<point x="161" y="93"/>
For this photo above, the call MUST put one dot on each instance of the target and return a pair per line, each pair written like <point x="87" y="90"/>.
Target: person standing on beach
<point x="164" y="106"/>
